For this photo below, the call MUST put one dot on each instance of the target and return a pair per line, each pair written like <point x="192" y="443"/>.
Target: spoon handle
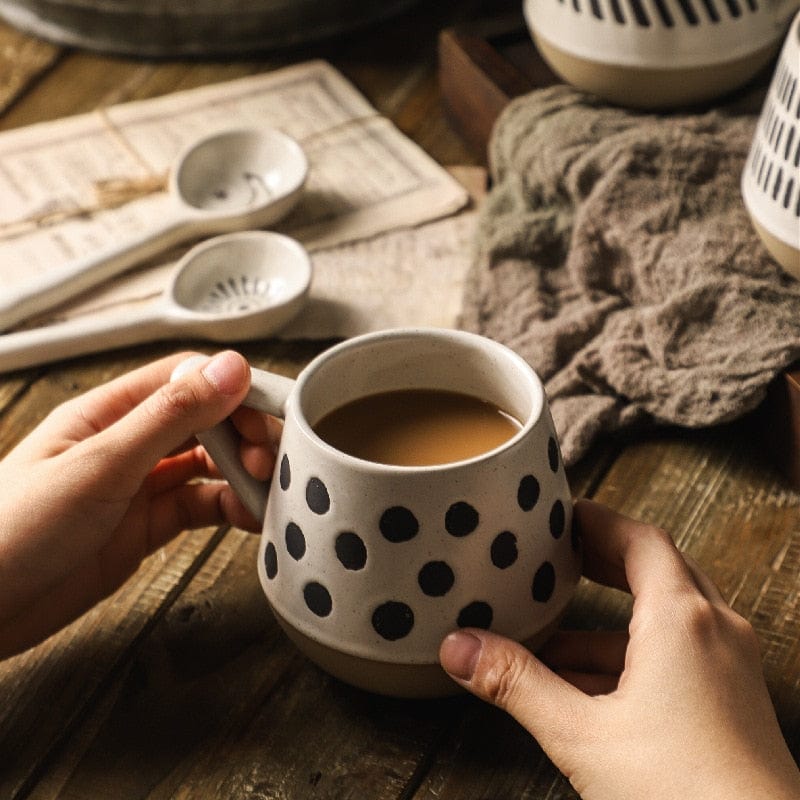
<point x="69" y="279"/>
<point x="81" y="335"/>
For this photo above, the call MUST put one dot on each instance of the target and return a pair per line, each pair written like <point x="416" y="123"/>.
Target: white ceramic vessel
<point x="347" y="543"/>
<point x="658" y="53"/>
<point x="771" y="177"/>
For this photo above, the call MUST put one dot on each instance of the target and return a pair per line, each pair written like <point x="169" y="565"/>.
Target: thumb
<point x="510" y="677"/>
<point x="194" y="401"/>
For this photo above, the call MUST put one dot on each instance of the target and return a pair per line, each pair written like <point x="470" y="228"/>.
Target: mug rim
<point x="536" y="391"/>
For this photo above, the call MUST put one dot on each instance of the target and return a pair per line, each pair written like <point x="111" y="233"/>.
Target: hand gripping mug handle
<point x="269" y="393"/>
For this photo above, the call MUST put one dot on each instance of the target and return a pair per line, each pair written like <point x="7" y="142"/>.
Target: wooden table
<point x="182" y="685"/>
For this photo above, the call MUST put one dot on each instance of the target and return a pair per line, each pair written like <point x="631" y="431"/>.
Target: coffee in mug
<point x="416" y="427"/>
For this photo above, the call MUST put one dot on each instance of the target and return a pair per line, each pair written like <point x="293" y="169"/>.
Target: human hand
<point x="107" y="478"/>
<point x="676" y="707"/>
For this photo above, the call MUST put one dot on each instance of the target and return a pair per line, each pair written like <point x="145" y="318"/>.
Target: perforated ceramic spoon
<point x="234" y="287"/>
<point x="230" y="181"/>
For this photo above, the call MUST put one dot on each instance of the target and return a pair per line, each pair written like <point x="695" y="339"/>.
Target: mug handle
<point x="268" y="393"/>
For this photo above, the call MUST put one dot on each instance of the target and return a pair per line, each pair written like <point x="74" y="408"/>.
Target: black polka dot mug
<point x="368" y="566"/>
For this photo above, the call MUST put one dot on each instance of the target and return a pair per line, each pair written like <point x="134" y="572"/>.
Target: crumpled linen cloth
<point x="615" y="254"/>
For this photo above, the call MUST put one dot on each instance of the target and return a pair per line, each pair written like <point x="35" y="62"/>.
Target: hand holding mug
<point x="106" y="479"/>
<point x="676" y="706"/>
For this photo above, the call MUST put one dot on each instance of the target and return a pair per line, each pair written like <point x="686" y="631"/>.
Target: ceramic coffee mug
<point x="368" y="566"/>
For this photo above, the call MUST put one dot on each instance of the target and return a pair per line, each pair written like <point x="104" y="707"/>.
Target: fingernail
<point x="459" y="654"/>
<point x="226" y="372"/>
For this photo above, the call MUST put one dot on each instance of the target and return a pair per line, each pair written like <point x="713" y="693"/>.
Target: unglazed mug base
<point x="786" y="255"/>
<point x="647" y="88"/>
<point x="408" y="681"/>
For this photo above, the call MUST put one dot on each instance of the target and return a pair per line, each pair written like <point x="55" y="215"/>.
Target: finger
<point x="174" y="471"/>
<point x="706" y="586"/>
<point x="586" y="651"/>
<point x="197" y="463"/>
<point x="261" y="435"/>
<point x="82" y="417"/>
<point x="165" y="419"/>
<point x="601" y="559"/>
<point x="193" y="506"/>
<point x="168" y="513"/>
<point x="257" y="460"/>
<point x="626" y="554"/>
<point x="507" y="675"/>
<point x="257" y="427"/>
<point x="103" y="405"/>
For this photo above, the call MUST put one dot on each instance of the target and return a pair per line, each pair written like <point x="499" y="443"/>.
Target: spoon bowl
<point x="246" y="176"/>
<point x="240" y="286"/>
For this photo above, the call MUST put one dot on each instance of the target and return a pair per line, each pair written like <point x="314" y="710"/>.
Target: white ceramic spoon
<point x="233" y="287"/>
<point x="233" y="180"/>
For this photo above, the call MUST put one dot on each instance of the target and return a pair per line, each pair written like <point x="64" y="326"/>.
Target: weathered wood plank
<point x="10" y="391"/>
<point x="217" y="703"/>
<point x="23" y="59"/>
<point x="84" y="82"/>
<point x="43" y="692"/>
<point x="171" y="693"/>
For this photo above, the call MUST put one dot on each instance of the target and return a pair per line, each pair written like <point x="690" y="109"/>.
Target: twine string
<point x="108" y="193"/>
<point x="112" y="193"/>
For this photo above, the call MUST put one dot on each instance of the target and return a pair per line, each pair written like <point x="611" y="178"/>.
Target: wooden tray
<point x="482" y="67"/>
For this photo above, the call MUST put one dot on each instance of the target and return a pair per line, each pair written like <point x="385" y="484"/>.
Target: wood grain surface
<point x="181" y="685"/>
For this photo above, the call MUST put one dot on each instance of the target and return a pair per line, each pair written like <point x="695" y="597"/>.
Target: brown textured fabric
<point x="614" y="253"/>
